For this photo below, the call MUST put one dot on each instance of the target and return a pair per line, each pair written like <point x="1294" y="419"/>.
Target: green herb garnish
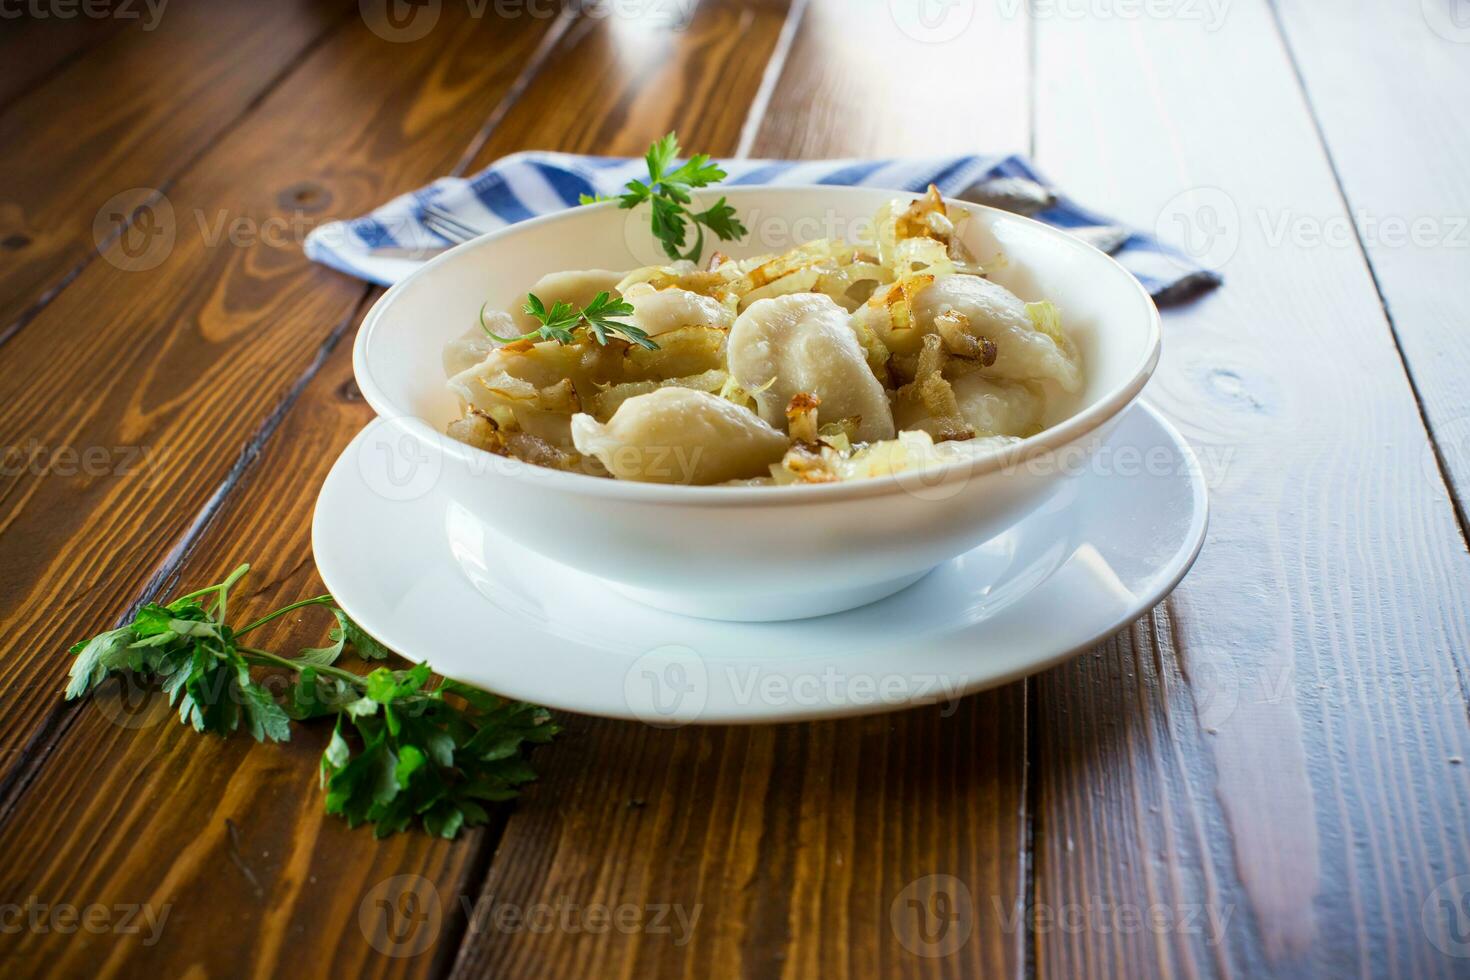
<point x="400" y="750"/>
<point x="558" y="322"/>
<point x="667" y="191"/>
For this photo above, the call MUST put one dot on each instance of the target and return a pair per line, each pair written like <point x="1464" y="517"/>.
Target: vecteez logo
<point x="1445" y="916"/>
<point x="401" y="916"/>
<point x="400" y="21"/>
<point x="127" y="702"/>
<point x="395" y="463"/>
<point x="934" y="916"/>
<point x="1204" y="223"/>
<point x="667" y="687"/>
<point x="1450" y="19"/>
<point x="135" y="230"/>
<point x="932" y="21"/>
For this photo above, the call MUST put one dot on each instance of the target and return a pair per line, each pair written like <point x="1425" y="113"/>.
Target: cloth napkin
<point x="524" y="185"/>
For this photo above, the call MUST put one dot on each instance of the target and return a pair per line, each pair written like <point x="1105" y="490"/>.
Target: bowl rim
<point x="1064" y="433"/>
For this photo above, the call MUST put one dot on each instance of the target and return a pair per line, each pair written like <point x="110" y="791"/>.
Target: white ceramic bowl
<point x="744" y="553"/>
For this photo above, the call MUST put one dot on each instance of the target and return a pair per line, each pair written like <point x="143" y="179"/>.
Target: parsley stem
<point x="264" y="658"/>
<point x="234" y="577"/>
<point x="693" y="255"/>
<point x="221" y="603"/>
<point x="318" y="601"/>
<point x="495" y="336"/>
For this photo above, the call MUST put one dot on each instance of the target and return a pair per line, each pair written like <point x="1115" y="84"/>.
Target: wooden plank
<point x="32" y="49"/>
<point x="258" y="852"/>
<point x="636" y="79"/>
<point x="790" y="850"/>
<point x="1282" y="743"/>
<point x="136" y="809"/>
<point x="1405" y="67"/>
<point x="786" y="850"/>
<point x="1128" y="878"/>
<point x="185" y="362"/>
<point x="225" y="841"/>
<point x="118" y="126"/>
<point x="867" y="78"/>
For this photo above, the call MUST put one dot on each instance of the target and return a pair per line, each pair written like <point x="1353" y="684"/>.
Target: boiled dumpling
<point x="1023" y="352"/>
<point x="541" y="385"/>
<point x="678" y="435"/>
<point x="577" y="287"/>
<point x="474" y="345"/>
<point x="802" y="343"/>
<point x="1003" y="408"/>
<point x="657" y="311"/>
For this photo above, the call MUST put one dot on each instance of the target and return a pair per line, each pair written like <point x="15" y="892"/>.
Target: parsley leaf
<point x="722" y="221"/>
<point x="425" y="755"/>
<point x="432" y="754"/>
<point x="345" y="633"/>
<point x="558" y="322"/>
<point x="668" y="192"/>
<point x="599" y="313"/>
<point x="97" y="658"/>
<point x="661" y="153"/>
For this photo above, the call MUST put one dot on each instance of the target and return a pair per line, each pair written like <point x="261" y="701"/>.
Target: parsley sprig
<point x="401" y="750"/>
<point x="558" y="322"/>
<point x="667" y="193"/>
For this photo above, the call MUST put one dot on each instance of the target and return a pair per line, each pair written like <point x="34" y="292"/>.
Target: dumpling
<point x="1023" y="352"/>
<point x="577" y="288"/>
<point x="802" y="343"/>
<point x="657" y="311"/>
<point x="474" y="345"/>
<point x="540" y="385"/>
<point x="678" y="435"/>
<point x="1002" y="408"/>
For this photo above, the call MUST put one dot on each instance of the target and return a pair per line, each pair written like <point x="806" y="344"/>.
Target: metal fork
<point x="440" y="222"/>
<point x="445" y="225"/>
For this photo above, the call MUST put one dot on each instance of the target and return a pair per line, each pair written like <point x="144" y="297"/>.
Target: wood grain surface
<point x="190" y="362"/>
<point x="291" y="871"/>
<point x="33" y="49"/>
<point x="1318" y="779"/>
<point x="1263" y="776"/>
<point x="798" y="846"/>
<point x="1404" y="183"/>
<point x="120" y="146"/>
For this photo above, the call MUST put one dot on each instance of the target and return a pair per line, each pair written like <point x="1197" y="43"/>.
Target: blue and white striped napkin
<point x="524" y="185"/>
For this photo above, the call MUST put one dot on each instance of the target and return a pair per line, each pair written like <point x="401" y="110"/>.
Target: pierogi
<point x="827" y="363"/>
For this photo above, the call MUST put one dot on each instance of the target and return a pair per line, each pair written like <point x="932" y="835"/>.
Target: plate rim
<point x="1172" y="572"/>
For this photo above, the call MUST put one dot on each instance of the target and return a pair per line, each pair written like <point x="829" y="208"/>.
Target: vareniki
<point x="830" y="362"/>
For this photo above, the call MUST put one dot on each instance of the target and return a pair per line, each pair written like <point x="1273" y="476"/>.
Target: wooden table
<point x="1262" y="776"/>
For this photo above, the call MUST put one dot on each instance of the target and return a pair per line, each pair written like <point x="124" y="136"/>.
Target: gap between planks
<point x="1458" y="505"/>
<point x="42" y="78"/>
<point x="484" y="857"/>
<point x="760" y="103"/>
<point x="13" y="786"/>
<point x="455" y="943"/>
<point x="60" y="720"/>
<point x="23" y="319"/>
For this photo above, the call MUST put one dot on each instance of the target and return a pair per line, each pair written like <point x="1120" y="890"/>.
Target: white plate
<point x="426" y="580"/>
<point x="761" y="552"/>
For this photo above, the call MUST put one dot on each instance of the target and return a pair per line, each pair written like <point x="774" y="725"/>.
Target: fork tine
<point x="447" y="232"/>
<point x="453" y="231"/>
<point x="437" y="219"/>
<point x="434" y="221"/>
<point x="440" y="211"/>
